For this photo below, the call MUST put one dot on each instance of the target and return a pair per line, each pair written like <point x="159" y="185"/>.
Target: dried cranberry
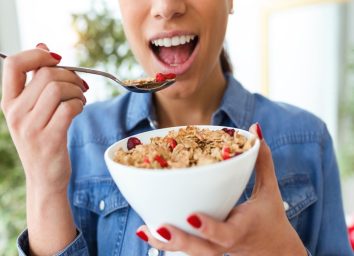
<point x="226" y="153"/>
<point x="146" y="160"/>
<point x="231" y="132"/>
<point x="133" y="142"/>
<point x="163" y="163"/>
<point x="160" y="78"/>
<point x="170" y="76"/>
<point x="172" y="143"/>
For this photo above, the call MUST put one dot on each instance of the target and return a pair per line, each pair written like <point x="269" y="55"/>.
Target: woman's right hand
<point x="39" y="114"/>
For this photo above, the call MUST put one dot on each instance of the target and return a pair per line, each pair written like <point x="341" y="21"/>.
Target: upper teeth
<point x="173" y="41"/>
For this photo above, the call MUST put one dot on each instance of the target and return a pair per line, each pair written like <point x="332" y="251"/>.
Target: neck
<point x="197" y="108"/>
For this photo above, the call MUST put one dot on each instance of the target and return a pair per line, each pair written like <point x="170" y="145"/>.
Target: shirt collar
<point x="140" y="108"/>
<point x="237" y="104"/>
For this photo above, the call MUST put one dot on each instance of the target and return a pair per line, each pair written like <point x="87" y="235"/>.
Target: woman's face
<point x="184" y="37"/>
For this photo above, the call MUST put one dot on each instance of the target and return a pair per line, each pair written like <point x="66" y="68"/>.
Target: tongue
<point x="175" y="54"/>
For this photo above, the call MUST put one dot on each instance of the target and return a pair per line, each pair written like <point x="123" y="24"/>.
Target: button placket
<point x="286" y="206"/>
<point x="153" y="252"/>
<point x="102" y="205"/>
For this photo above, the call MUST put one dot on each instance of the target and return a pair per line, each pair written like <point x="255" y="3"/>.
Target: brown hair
<point x="225" y="62"/>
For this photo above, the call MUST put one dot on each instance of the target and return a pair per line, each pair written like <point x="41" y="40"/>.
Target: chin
<point x="180" y="90"/>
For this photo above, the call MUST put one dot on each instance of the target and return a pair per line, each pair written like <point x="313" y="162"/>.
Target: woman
<point x="73" y="206"/>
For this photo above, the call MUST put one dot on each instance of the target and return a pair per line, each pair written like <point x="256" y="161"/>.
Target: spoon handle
<point x="83" y="70"/>
<point x="92" y="71"/>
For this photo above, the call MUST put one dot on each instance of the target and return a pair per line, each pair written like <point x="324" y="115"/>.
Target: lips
<point x="175" y="53"/>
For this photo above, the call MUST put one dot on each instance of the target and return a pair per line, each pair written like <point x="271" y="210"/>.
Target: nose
<point x="168" y="9"/>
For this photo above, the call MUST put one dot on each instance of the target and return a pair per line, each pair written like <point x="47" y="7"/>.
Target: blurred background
<point x="297" y="51"/>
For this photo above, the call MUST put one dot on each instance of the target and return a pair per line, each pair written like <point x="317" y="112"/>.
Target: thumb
<point x="42" y="46"/>
<point x="265" y="174"/>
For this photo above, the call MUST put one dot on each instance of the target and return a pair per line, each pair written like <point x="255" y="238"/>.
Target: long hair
<point x="225" y="62"/>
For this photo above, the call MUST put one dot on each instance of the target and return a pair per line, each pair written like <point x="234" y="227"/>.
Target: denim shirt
<point x="302" y="151"/>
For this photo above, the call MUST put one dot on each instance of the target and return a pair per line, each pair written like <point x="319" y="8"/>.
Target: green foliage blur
<point x="346" y="120"/>
<point x="102" y="44"/>
<point x="12" y="193"/>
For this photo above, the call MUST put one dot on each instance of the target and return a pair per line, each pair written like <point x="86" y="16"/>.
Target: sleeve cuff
<point x="77" y="247"/>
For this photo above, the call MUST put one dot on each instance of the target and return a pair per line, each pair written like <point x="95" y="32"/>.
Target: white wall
<point x="9" y="36"/>
<point x="295" y="57"/>
<point x="305" y="59"/>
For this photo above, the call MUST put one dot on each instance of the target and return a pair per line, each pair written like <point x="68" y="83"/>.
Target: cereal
<point x="186" y="147"/>
<point x="144" y="83"/>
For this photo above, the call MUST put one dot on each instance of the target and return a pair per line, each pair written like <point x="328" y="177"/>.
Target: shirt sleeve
<point x="333" y="236"/>
<point x="76" y="248"/>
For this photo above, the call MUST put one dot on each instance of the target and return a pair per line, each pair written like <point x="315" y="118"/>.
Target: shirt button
<point x="102" y="205"/>
<point x="153" y="124"/>
<point x="286" y="206"/>
<point x="153" y="252"/>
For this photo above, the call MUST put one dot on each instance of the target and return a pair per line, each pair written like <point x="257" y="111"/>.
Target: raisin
<point x="133" y="142"/>
<point x="231" y="132"/>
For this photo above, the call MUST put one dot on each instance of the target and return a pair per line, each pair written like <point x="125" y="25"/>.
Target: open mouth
<point x="174" y="51"/>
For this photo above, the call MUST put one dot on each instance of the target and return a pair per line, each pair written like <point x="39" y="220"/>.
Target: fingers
<point x="50" y="98"/>
<point x="41" y="79"/>
<point x="178" y="240"/>
<point x="42" y="46"/>
<point x="64" y="115"/>
<point x="16" y="67"/>
<point x="265" y="173"/>
<point x="221" y="233"/>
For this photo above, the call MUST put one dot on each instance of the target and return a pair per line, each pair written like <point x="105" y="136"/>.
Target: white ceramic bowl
<point x="170" y="196"/>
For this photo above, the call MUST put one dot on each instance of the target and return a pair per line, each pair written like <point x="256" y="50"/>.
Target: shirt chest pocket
<point x="101" y="213"/>
<point x="298" y="194"/>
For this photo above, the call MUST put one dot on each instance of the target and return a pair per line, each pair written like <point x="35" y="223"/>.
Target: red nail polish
<point x="164" y="233"/>
<point x="55" y="56"/>
<point x="141" y="234"/>
<point x="194" y="221"/>
<point x="85" y="85"/>
<point x="259" y="132"/>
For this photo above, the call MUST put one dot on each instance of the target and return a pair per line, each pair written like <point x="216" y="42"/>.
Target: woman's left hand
<point x="257" y="227"/>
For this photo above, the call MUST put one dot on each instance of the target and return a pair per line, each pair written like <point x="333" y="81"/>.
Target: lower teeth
<point x="174" y="65"/>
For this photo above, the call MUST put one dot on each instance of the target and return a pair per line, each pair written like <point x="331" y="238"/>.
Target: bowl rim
<point x="163" y="171"/>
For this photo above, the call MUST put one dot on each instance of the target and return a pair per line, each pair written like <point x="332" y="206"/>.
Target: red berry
<point x="172" y="143"/>
<point x="146" y="160"/>
<point x="226" y="153"/>
<point x="163" y="163"/>
<point x="133" y="142"/>
<point x="231" y="132"/>
<point x="170" y="76"/>
<point x="160" y="78"/>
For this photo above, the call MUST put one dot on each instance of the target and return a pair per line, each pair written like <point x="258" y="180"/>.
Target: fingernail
<point x="40" y="44"/>
<point x="84" y="101"/>
<point x="164" y="233"/>
<point x="259" y="132"/>
<point x="55" y="56"/>
<point x="141" y="234"/>
<point x="194" y="221"/>
<point x="85" y="85"/>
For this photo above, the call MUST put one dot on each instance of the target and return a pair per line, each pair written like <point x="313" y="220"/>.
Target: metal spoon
<point x="139" y="86"/>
